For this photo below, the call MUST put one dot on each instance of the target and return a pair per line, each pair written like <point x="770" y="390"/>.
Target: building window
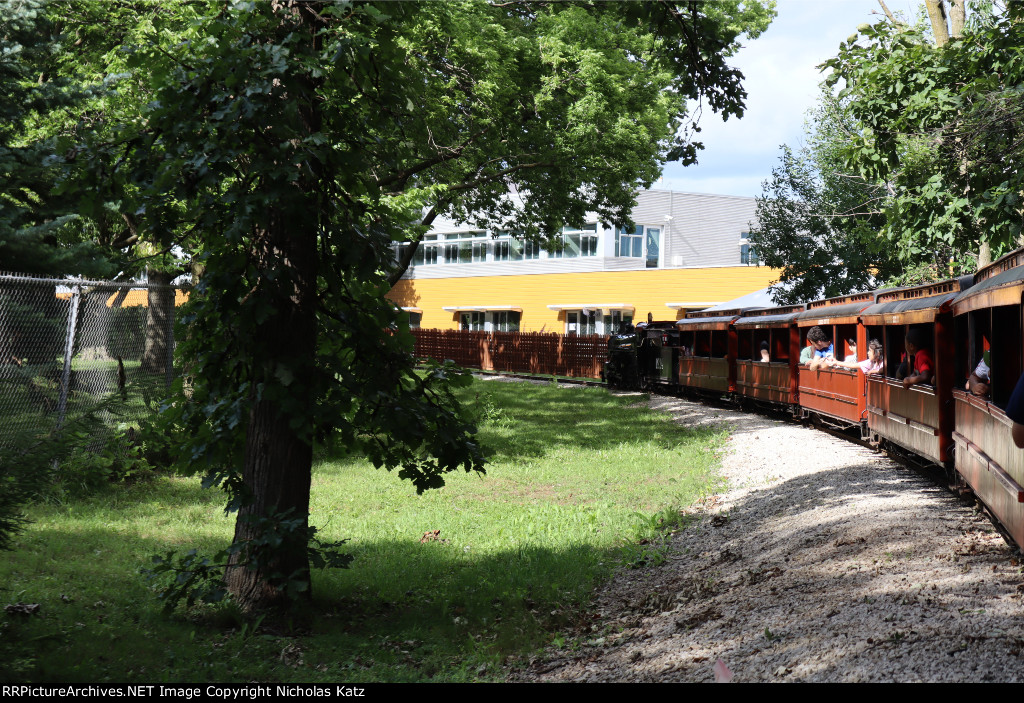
<point x="472" y="321"/>
<point x="502" y="250"/>
<point x="426" y="254"/>
<point x="506" y="321"/>
<point x="414" y="320"/>
<point x="578" y="242"/>
<point x="653" y="239"/>
<point x="615" y="320"/>
<point x="748" y="254"/>
<point x="629" y="242"/>
<point x="581" y="322"/>
<point x="531" y="250"/>
<point x="479" y="252"/>
<point x="639" y="243"/>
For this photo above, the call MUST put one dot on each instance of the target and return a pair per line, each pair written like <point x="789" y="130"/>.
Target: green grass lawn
<point x="577" y="480"/>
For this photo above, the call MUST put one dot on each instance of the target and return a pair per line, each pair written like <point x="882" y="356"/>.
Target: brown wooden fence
<point x="516" y="352"/>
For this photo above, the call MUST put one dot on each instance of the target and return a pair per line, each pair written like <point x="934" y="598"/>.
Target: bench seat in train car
<point x="918" y="418"/>
<point x="988" y="317"/>
<point x="707" y="353"/>
<point x="774" y="382"/>
<point x="834" y="394"/>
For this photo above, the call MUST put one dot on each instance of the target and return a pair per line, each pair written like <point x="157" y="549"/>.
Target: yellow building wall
<point x="646" y="290"/>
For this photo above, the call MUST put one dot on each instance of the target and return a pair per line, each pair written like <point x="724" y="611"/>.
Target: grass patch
<point x="578" y="483"/>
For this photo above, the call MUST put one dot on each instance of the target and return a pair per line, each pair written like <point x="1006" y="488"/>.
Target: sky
<point x="781" y="80"/>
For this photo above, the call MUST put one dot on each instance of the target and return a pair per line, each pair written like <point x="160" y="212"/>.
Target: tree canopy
<point x="286" y="145"/>
<point x="817" y="224"/>
<point x="939" y="123"/>
<point x="34" y="236"/>
<point x="931" y="126"/>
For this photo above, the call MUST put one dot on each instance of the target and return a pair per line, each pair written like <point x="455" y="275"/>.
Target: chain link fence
<point x="70" y="347"/>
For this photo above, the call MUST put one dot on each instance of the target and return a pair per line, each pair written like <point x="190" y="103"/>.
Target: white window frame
<point x="639" y="237"/>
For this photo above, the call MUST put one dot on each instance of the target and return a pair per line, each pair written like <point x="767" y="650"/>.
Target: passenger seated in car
<point x="1015" y="411"/>
<point x="873" y="364"/>
<point x="765" y="354"/>
<point x="980" y="381"/>
<point x="921" y="366"/>
<point x="852" y="356"/>
<point x="807" y="353"/>
<point x="824" y="350"/>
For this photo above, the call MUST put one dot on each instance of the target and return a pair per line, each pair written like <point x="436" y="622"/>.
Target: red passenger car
<point x="707" y="353"/>
<point x="918" y="418"/>
<point x="775" y="382"/>
<point x="835" y="395"/>
<point x="988" y="323"/>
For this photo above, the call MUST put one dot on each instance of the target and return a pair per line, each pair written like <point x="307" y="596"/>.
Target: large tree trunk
<point x="156" y="354"/>
<point x="957" y="17"/>
<point x="278" y="447"/>
<point x="278" y="456"/>
<point x="984" y="254"/>
<point x="940" y="25"/>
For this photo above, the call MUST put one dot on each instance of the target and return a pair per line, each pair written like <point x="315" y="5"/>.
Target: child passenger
<point x="873" y="364"/>
<point x="852" y="356"/>
<point x="824" y="350"/>
<point x="980" y="382"/>
<point x="923" y="366"/>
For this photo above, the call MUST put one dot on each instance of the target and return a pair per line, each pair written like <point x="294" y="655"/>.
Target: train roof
<point x="999" y="283"/>
<point x="915" y="304"/>
<point x="711" y="319"/>
<point x="770" y="317"/>
<point x="842" y="309"/>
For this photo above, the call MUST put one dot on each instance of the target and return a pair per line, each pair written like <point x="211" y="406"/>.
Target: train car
<point x="658" y="355"/>
<point x="773" y="383"/>
<point x="988" y="324"/>
<point x="621" y="369"/>
<point x="918" y="418"/>
<point x="832" y="395"/>
<point x="707" y="353"/>
<point x="643" y="357"/>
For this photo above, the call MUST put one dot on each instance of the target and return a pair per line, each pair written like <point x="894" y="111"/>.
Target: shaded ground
<point x="823" y="562"/>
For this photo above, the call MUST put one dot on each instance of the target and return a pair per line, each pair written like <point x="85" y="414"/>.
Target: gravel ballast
<point x="822" y="561"/>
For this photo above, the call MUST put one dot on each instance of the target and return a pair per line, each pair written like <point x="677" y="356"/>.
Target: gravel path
<point x="822" y="562"/>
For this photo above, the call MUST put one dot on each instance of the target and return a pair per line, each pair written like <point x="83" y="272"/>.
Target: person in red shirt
<point x="924" y="366"/>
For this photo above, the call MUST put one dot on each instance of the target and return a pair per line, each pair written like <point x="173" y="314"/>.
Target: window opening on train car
<point x="761" y="343"/>
<point x="979" y="383"/>
<point x="894" y="351"/>
<point x="686" y="343"/>
<point x="747" y="346"/>
<point x="920" y="364"/>
<point x="874" y="364"/>
<point x="975" y="358"/>
<point x="824" y="349"/>
<point x="1015" y="411"/>
<point x="702" y="344"/>
<point x="719" y="344"/>
<point x="807" y="353"/>
<point x="1005" y="368"/>
<point x="780" y="345"/>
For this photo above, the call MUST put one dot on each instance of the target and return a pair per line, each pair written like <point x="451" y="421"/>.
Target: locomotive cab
<point x="620" y="370"/>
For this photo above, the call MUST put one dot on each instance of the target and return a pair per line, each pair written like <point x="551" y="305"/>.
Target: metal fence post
<point x="69" y="349"/>
<point x="169" y="374"/>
